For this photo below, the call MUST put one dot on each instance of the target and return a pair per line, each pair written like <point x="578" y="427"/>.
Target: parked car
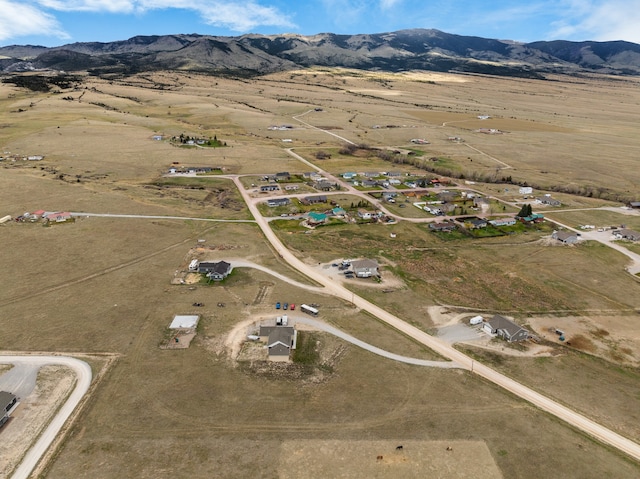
<point x="285" y="306"/>
<point x="278" y="305"/>
<point x="292" y="307"/>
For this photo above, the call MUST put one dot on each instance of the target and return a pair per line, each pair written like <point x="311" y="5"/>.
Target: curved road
<point x="566" y="414"/>
<point x="83" y="381"/>
<point x="369" y="347"/>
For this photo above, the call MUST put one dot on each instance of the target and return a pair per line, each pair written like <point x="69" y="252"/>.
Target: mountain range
<point x="253" y="54"/>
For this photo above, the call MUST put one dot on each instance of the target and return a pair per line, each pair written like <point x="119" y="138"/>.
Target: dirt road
<point x="562" y="412"/>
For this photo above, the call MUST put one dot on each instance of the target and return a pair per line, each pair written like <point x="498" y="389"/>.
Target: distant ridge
<point x="253" y="54"/>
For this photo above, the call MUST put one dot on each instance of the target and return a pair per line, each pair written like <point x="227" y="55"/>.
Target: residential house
<point x="7" y="401"/>
<point x="503" y="222"/>
<point x="393" y="174"/>
<point x="216" y="271"/>
<point x="627" y="234"/>
<point x="369" y="183"/>
<point x="505" y="328"/>
<point x="291" y="187"/>
<point x="533" y="218"/>
<point x="312" y="200"/>
<point x="365" y="268"/>
<point x="634" y="204"/>
<point x="482" y="203"/>
<point x="280" y="340"/>
<point x="59" y="217"/>
<point x="338" y="212"/>
<point x="475" y="223"/>
<point x="272" y="203"/>
<point x="566" y="237"/>
<point x="349" y="175"/>
<point x="265" y="188"/>
<point x="283" y="176"/>
<point x="547" y="200"/>
<point x="394" y="181"/>
<point x="324" y="185"/>
<point x="364" y="214"/>
<point x="446" y="196"/>
<point x="445" y="226"/>
<point x="371" y="174"/>
<point x="525" y="190"/>
<point x="314" y="218"/>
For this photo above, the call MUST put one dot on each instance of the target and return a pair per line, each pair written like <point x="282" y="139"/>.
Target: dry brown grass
<point x="104" y="284"/>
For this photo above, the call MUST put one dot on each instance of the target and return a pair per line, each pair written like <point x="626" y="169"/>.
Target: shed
<point x="184" y="321"/>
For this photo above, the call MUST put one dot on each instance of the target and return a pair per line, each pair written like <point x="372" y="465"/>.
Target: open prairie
<point x="103" y="284"/>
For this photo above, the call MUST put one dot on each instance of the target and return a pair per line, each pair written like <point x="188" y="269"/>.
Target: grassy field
<point x="103" y="285"/>
<point x="581" y="381"/>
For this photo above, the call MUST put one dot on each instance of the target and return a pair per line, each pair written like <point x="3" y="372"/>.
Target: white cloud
<point x="110" y="6"/>
<point x="235" y="15"/>
<point x="18" y="19"/>
<point x="599" y="20"/>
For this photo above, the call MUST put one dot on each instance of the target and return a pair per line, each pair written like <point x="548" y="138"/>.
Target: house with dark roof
<point x="445" y="226"/>
<point x="7" y="401"/>
<point x="265" y="188"/>
<point x="216" y="271"/>
<point x="312" y="200"/>
<point x="505" y="329"/>
<point x="324" y="185"/>
<point x="272" y="203"/>
<point x="280" y="340"/>
<point x="634" y="204"/>
<point x="547" y="200"/>
<point x="283" y="176"/>
<point x="627" y="234"/>
<point x="566" y="237"/>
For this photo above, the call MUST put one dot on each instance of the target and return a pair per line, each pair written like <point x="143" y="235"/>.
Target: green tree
<point x="525" y="211"/>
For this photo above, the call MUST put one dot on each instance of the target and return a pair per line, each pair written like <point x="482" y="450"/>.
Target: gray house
<point x="365" y="268"/>
<point x="566" y="237"/>
<point x="505" y="328"/>
<point x="7" y="401"/>
<point x="280" y="341"/>
<point x="217" y="271"/>
<point x="278" y="202"/>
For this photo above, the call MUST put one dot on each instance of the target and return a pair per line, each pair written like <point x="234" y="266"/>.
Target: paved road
<point x="20" y="380"/>
<point x="83" y="376"/>
<point x="375" y="350"/>
<point x="577" y="420"/>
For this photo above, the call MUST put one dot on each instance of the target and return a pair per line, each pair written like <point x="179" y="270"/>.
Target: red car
<point x="292" y="307"/>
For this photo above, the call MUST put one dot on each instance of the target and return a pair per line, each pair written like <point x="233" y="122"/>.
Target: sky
<point x="58" y="22"/>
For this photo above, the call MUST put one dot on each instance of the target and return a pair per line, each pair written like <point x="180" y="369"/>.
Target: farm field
<point x="103" y="284"/>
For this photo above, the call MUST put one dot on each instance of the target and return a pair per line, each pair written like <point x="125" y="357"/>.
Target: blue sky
<point x="56" y="22"/>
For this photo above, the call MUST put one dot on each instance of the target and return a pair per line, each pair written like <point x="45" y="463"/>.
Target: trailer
<point x="193" y="266"/>
<point x="4" y="219"/>
<point x="309" y="310"/>
<point x="476" y="320"/>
